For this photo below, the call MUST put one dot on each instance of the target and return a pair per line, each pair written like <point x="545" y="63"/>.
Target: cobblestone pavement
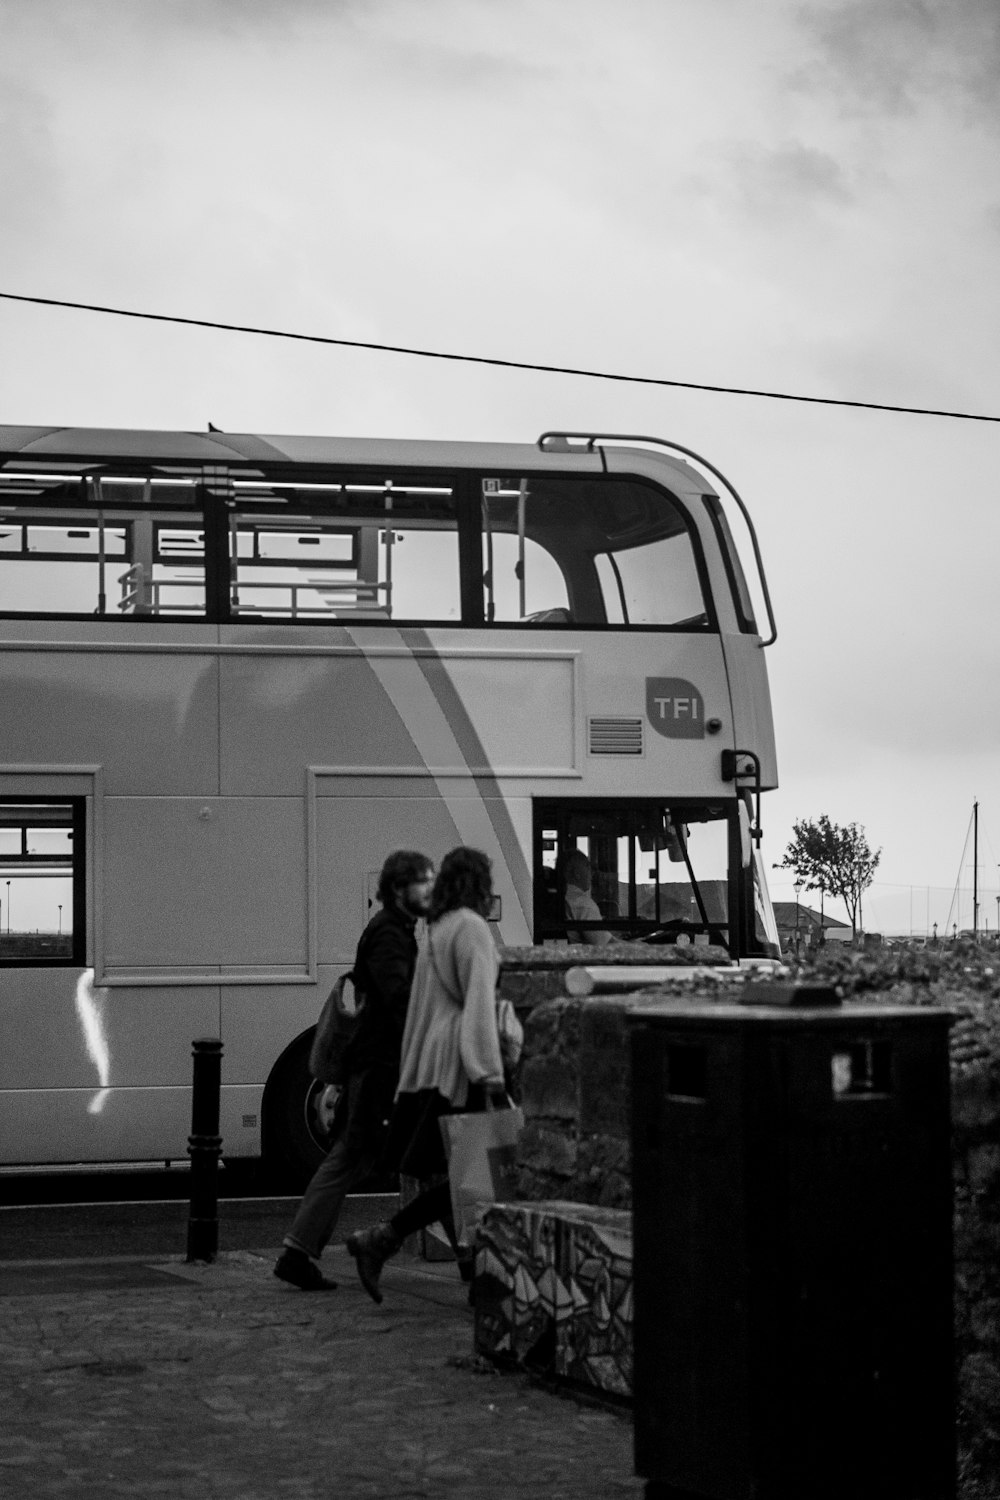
<point x="137" y="1378"/>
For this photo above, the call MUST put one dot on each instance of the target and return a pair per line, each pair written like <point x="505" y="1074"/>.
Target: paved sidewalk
<point x="142" y="1377"/>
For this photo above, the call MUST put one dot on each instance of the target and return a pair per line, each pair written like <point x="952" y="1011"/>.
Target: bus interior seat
<point x="558" y="616"/>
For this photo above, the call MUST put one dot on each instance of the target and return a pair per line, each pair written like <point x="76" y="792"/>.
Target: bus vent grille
<point x="615" y="736"/>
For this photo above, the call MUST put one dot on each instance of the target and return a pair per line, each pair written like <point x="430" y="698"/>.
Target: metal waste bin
<point x="792" y="1219"/>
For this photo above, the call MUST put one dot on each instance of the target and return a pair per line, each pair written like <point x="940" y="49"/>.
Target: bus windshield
<point x="650" y="873"/>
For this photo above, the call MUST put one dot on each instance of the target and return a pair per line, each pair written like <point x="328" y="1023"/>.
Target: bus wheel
<point x="296" y="1113"/>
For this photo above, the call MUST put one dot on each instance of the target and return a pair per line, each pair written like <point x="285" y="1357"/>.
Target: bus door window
<point x="345" y="549"/>
<point x="41" y="881"/>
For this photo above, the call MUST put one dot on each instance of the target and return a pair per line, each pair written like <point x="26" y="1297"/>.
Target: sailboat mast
<point x="975" y="869"/>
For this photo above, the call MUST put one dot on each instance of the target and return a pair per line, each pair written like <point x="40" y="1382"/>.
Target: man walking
<point x="383" y="971"/>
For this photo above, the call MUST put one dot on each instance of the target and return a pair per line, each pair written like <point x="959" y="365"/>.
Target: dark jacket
<point x="383" y="972"/>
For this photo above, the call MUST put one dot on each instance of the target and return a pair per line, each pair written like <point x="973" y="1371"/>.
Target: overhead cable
<point x="504" y="364"/>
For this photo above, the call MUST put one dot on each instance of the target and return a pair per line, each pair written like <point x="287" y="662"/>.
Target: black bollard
<point x="204" y="1149"/>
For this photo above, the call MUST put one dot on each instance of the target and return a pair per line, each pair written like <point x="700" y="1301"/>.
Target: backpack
<point x="336" y="1026"/>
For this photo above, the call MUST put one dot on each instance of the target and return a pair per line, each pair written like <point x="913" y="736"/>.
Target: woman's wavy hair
<point x="464" y="879"/>
<point x="401" y="869"/>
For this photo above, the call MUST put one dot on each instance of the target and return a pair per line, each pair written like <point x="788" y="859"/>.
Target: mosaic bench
<point x="553" y="1291"/>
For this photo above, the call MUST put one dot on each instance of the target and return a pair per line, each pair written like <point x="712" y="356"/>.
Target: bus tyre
<point x="295" y="1120"/>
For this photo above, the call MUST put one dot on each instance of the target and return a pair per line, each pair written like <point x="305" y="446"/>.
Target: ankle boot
<point x="371" y="1249"/>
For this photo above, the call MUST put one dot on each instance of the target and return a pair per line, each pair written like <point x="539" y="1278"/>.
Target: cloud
<point x="894" y="56"/>
<point x="29" y="176"/>
<point x="233" y="18"/>
<point x="461" y="44"/>
<point x="788" y="180"/>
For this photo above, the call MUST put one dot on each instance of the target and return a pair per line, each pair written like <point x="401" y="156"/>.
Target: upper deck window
<point x="297" y="543"/>
<point x="588" y="552"/>
<point x="98" y="545"/>
<point x="358" y="551"/>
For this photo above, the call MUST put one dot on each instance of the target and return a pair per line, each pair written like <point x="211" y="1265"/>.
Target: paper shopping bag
<point x="482" y="1157"/>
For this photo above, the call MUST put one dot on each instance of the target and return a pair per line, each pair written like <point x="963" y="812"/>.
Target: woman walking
<point x="451" y="1056"/>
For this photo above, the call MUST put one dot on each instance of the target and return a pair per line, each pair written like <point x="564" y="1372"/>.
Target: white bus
<point x="237" y="671"/>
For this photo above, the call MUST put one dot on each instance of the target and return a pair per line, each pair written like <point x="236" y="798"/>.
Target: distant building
<point x="800" y="927"/>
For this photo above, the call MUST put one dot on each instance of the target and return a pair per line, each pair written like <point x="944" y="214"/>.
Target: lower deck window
<point x="41" y="881"/>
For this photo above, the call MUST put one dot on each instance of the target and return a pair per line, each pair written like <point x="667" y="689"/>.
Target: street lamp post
<point x="797" y="888"/>
<point x="60" y="921"/>
<point x="8" y="907"/>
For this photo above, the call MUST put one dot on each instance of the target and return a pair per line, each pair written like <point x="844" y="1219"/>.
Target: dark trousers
<point x="415" y="1143"/>
<point x="359" y="1137"/>
<point x="433" y="1206"/>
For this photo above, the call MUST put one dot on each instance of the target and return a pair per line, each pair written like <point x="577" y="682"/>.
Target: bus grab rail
<point x="548" y="444"/>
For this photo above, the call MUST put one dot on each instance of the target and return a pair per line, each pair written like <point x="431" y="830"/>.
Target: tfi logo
<point x="675" y="708"/>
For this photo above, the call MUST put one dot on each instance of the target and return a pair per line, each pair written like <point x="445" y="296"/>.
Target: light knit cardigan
<point x="450" y="1038"/>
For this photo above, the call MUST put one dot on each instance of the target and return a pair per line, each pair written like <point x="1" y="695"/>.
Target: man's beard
<point x="412" y="910"/>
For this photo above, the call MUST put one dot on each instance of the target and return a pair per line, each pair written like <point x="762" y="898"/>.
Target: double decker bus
<point x="236" y="671"/>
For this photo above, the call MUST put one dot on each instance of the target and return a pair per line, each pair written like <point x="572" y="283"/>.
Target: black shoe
<point x="371" y="1249"/>
<point x="296" y="1267"/>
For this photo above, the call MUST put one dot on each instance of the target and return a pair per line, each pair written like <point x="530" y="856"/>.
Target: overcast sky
<point x="793" y="196"/>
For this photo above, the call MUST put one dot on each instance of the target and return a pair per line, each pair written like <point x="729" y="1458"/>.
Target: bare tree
<point x="836" y="860"/>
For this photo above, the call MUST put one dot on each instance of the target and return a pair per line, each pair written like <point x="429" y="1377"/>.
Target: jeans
<point x="359" y="1127"/>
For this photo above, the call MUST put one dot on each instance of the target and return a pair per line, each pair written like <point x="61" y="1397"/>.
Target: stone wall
<point x="574" y="1085"/>
<point x="530" y="975"/>
<point x="976" y="1158"/>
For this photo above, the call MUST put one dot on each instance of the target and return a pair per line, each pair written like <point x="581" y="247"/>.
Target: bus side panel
<point x="138" y="1125"/>
<point x="673" y="686"/>
<point x="259" y="1021"/>
<point x="354" y="835"/>
<point x="205" y="882"/>
<point x="97" y="1073"/>
<point x="149" y="718"/>
<point x="365" y="818"/>
<point x="283" y="712"/>
<point x="398" y="704"/>
<point x="359" y="821"/>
